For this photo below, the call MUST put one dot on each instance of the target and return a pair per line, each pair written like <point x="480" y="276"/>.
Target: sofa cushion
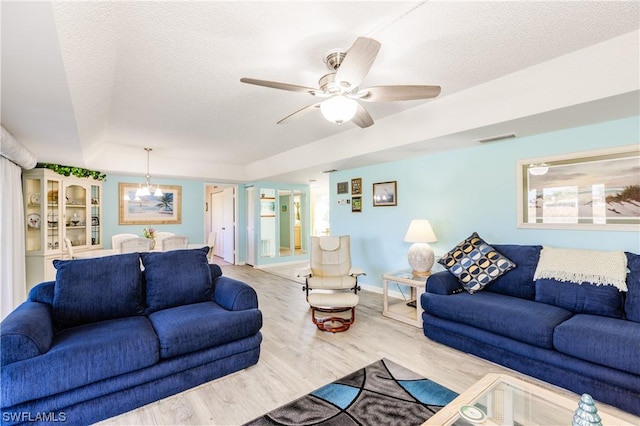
<point x="98" y="289"/>
<point x="176" y="277"/>
<point x="82" y="355"/>
<point x="475" y="263"/>
<point x="606" y="341"/>
<point x="189" y="328"/>
<point x="523" y="320"/>
<point x="518" y="282"/>
<point x="585" y="298"/>
<point x="632" y="302"/>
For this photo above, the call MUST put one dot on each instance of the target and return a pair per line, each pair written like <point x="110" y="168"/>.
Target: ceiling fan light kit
<point x="339" y="109"/>
<point x="341" y="87"/>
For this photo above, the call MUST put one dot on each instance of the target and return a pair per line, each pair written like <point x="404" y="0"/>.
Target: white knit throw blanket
<point x="578" y="266"/>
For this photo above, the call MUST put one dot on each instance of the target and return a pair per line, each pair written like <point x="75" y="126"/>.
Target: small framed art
<point x="343" y="187"/>
<point x="356" y="204"/>
<point x="356" y="186"/>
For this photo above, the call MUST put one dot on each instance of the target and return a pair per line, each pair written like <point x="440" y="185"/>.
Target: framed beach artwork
<point x="384" y="194"/>
<point x="149" y="209"/>
<point x="595" y="190"/>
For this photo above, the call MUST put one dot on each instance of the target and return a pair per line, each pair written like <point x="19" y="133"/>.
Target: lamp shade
<point x="420" y="231"/>
<point x="338" y="109"/>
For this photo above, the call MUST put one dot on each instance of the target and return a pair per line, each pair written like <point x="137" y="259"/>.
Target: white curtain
<point x="13" y="288"/>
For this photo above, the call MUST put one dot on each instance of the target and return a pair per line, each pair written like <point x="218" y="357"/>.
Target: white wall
<point x="467" y="190"/>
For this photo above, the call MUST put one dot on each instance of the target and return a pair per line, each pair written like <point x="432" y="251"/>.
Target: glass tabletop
<point x="505" y="403"/>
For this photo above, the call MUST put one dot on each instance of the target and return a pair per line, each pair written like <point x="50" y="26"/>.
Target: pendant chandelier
<point x="147" y="188"/>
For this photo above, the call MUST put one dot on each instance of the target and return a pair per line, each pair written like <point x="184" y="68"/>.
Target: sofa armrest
<point x="443" y="282"/>
<point x="26" y="332"/>
<point x="234" y="295"/>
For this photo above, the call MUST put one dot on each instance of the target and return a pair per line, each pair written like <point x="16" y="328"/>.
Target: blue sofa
<point x="584" y="338"/>
<point x="109" y="336"/>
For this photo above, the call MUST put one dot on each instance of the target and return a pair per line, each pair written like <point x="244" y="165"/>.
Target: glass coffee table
<point x="500" y="399"/>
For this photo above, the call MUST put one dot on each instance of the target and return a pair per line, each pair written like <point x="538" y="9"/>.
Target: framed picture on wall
<point x="343" y="187"/>
<point x="596" y="190"/>
<point x="267" y="207"/>
<point x="149" y="209"/>
<point x="384" y="194"/>
<point x="356" y="186"/>
<point x="356" y="204"/>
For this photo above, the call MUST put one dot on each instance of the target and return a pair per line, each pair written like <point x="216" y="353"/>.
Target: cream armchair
<point x="331" y="284"/>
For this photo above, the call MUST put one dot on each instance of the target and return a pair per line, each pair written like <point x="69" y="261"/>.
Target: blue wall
<point x="467" y="190"/>
<point x="192" y="225"/>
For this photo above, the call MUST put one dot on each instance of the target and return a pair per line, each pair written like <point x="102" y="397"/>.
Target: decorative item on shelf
<point x="52" y="196"/>
<point x="472" y="414"/>
<point x="34" y="199"/>
<point x="586" y="414"/>
<point x="420" y="254"/>
<point x="95" y="221"/>
<point x="150" y="233"/>
<point x="33" y="220"/>
<point x="146" y="188"/>
<point x="52" y="219"/>
<point x="75" y="219"/>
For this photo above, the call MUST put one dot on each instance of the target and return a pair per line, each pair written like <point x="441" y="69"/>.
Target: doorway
<point x="222" y="221"/>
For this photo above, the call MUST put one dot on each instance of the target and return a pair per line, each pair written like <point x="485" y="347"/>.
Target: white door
<point x="217" y="222"/>
<point x="251" y="237"/>
<point x="229" y="228"/>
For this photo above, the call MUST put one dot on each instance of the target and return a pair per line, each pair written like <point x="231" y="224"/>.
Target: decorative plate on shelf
<point x="34" y="198"/>
<point x="33" y="220"/>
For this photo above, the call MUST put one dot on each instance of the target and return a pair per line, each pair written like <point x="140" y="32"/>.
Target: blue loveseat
<point x="584" y="338"/>
<point x="109" y="336"/>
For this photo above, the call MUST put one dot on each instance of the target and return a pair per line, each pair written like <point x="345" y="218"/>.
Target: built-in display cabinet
<point x="58" y="207"/>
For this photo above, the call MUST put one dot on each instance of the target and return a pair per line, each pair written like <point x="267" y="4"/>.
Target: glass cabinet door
<point x="75" y="214"/>
<point x="52" y="235"/>
<point x="33" y="210"/>
<point x="96" y="237"/>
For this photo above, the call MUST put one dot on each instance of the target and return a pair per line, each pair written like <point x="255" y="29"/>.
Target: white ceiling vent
<point x="496" y="138"/>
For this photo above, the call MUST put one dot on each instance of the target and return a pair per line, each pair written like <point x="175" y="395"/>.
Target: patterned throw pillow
<point x="475" y="263"/>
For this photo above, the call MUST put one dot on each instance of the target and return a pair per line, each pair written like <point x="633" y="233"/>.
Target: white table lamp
<point x="420" y="253"/>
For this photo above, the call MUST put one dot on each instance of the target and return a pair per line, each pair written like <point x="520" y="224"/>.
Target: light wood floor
<point x="296" y="359"/>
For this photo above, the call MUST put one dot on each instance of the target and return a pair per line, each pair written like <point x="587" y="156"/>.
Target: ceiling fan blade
<point x="357" y="62"/>
<point x="362" y="117"/>
<point x="399" y="93"/>
<point x="300" y="112"/>
<point x="277" y="85"/>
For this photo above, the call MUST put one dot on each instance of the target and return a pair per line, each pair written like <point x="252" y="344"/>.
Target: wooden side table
<point x="407" y="311"/>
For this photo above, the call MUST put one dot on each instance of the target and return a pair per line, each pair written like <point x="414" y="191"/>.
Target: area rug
<point x="383" y="393"/>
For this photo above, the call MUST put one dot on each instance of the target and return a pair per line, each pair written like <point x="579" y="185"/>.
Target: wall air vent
<point x="330" y="171"/>
<point x="496" y="138"/>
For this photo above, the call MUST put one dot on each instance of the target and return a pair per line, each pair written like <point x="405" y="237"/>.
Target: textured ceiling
<point x="92" y="83"/>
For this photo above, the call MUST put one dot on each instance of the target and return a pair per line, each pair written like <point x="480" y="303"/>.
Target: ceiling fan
<point x="340" y="89"/>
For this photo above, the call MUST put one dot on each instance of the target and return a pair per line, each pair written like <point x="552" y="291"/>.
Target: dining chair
<point x="211" y="242"/>
<point x="69" y="247"/>
<point x="174" y="242"/>
<point x="137" y="244"/>
<point x="118" y="238"/>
